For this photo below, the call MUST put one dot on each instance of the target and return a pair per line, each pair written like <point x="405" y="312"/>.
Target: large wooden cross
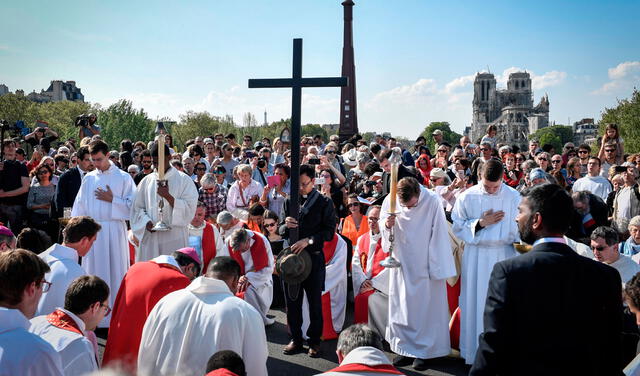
<point x="296" y="83"/>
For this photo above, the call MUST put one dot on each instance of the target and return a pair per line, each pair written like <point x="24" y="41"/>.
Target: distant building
<point x="511" y="110"/>
<point x="58" y="91"/>
<point x="585" y="131"/>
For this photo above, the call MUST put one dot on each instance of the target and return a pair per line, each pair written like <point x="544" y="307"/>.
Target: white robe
<point x="260" y="291"/>
<point x="335" y="284"/>
<point x="23" y="353"/>
<point x="76" y="351"/>
<point x="109" y="255"/>
<point x="418" y="310"/>
<point x="145" y="209"/>
<point x="366" y="355"/>
<point x="482" y="251"/>
<point x="187" y="326"/>
<point x="63" y="262"/>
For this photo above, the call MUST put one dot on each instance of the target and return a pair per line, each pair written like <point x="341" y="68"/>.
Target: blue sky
<point x="415" y="60"/>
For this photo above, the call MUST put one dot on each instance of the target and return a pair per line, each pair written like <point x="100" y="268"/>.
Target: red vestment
<point x="328" y="332"/>
<point x="259" y="258"/>
<point x="361" y="301"/>
<point x="142" y="287"/>
<point x="208" y="246"/>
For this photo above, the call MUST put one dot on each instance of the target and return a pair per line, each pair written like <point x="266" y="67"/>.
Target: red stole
<point x="361" y="301"/>
<point x="208" y="246"/>
<point x="258" y="256"/>
<point x="328" y="332"/>
<point x="329" y="248"/>
<point x="62" y="320"/>
<point x="358" y="367"/>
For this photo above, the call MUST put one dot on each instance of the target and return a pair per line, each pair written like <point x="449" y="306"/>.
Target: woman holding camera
<point x="244" y="191"/>
<point x="273" y="197"/>
<point x="39" y="200"/>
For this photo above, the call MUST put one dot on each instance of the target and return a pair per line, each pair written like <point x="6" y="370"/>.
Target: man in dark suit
<point x="385" y="164"/>
<point x="69" y="183"/>
<point x="550" y="311"/>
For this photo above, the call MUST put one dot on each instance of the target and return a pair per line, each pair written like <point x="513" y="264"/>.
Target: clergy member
<point x="370" y="279"/>
<point x="484" y="218"/>
<point x="105" y="195"/>
<point x="78" y="236"/>
<point x="86" y="303"/>
<point x="143" y="286"/>
<point x="179" y="197"/>
<point x="205" y="237"/>
<point x="253" y="253"/>
<point x="334" y="295"/>
<point x="418" y="313"/>
<point x="187" y="326"/>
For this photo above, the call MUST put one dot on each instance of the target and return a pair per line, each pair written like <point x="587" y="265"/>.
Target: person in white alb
<point x="187" y="326"/>
<point x="78" y="237"/>
<point x="86" y="303"/>
<point x="484" y="218"/>
<point x="106" y="195"/>
<point x="21" y="285"/>
<point x="593" y="182"/>
<point x="252" y="251"/>
<point x="604" y="244"/>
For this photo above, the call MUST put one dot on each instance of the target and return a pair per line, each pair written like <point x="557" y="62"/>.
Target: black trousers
<point x="313" y="287"/>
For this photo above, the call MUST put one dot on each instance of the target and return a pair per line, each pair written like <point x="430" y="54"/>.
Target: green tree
<point x="556" y="135"/>
<point x="449" y="136"/>
<point x="314" y="129"/>
<point x="120" y="121"/>
<point x="627" y="115"/>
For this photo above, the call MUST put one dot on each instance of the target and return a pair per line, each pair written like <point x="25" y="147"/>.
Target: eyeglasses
<point x="442" y="151"/>
<point x="330" y="152"/>
<point x="107" y="309"/>
<point x="599" y="248"/>
<point x="43" y="172"/>
<point x="209" y="189"/>
<point x="228" y="149"/>
<point x="582" y="152"/>
<point x="353" y="204"/>
<point x="481" y="149"/>
<point x="46" y="286"/>
<point x="542" y="159"/>
<point x="520" y="159"/>
<point x="269" y="225"/>
<point x="556" y="161"/>
<point x="609" y="150"/>
<point x="373" y="219"/>
<point x="200" y="169"/>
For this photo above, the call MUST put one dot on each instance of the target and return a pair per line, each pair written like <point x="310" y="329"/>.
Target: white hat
<point x="349" y="158"/>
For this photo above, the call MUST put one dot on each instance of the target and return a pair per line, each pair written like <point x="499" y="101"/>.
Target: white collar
<point x="63" y="252"/>
<point x="166" y="259"/>
<point x="550" y="240"/>
<point x="206" y="285"/>
<point x="75" y="318"/>
<point x="365" y="355"/>
<point x="11" y="319"/>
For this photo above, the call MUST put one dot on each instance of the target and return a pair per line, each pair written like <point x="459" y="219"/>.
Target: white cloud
<point x="4" y="47"/>
<point x="407" y="94"/>
<point x="548" y="79"/>
<point x="624" y="76"/>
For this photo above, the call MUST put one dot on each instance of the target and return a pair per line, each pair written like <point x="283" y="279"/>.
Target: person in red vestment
<point x="142" y="287"/>
<point x="204" y="237"/>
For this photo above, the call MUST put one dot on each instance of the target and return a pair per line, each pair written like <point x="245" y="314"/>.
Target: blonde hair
<point x="244" y="168"/>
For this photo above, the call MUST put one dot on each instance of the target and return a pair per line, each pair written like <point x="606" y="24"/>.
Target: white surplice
<point x="23" y="353"/>
<point x="335" y="284"/>
<point x="482" y="250"/>
<point x="63" y="262"/>
<point x="418" y="310"/>
<point x="260" y="291"/>
<point x="187" y="326"/>
<point x="76" y="351"/>
<point x="363" y="355"/>
<point x="109" y="255"/>
<point x="178" y="217"/>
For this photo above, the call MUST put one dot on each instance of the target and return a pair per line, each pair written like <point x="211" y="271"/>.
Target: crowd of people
<point x="181" y="267"/>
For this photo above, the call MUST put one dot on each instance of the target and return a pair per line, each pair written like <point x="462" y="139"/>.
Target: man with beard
<point x="550" y="311"/>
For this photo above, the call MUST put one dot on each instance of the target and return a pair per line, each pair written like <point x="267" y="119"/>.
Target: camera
<point x="314" y="161"/>
<point x="370" y="183"/>
<point x="262" y="162"/>
<point x="82" y="121"/>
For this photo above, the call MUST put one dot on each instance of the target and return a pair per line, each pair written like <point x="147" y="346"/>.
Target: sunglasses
<point x="542" y="159"/>
<point x="556" y="161"/>
<point x="520" y="159"/>
<point x="330" y="152"/>
<point x="599" y="248"/>
<point x="609" y="150"/>
<point x="582" y="152"/>
<point x="200" y="169"/>
<point x="373" y="219"/>
<point x="481" y="149"/>
<point x="354" y="204"/>
<point x="444" y="151"/>
<point x="269" y="224"/>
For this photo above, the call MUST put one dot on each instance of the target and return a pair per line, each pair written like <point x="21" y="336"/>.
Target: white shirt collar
<point x="206" y="285"/>
<point x="75" y="318"/>
<point x="166" y="259"/>
<point x="550" y="240"/>
<point x="365" y="355"/>
<point x="63" y="252"/>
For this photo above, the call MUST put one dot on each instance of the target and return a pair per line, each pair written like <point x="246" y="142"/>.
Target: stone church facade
<point x="512" y="110"/>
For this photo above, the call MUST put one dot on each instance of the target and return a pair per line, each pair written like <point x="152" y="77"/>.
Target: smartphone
<point x="314" y="161"/>
<point x="319" y="181"/>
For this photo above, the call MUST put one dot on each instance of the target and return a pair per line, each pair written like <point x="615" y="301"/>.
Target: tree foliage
<point x="556" y="135"/>
<point x="449" y="136"/>
<point x="121" y="121"/>
<point x="627" y="115"/>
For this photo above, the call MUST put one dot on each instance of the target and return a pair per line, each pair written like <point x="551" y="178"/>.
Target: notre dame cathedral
<point x="511" y="110"/>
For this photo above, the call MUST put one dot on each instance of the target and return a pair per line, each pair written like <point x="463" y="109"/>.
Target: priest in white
<point x="370" y="279"/>
<point x="187" y="326"/>
<point x="418" y="312"/>
<point x="484" y="218"/>
<point x="78" y="236"/>
<point x="252" y="251"/>
<point x="66" y="328"/>
<point x="106" y="195"/>
<point x="179" y="197"/>
<point x="334" y="295"/>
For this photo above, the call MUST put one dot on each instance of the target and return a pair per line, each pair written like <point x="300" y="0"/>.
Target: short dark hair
<point x="226" y="359"/>
<point x="145" y="153"/>
<point x="408" y="187"/>
<point x="595" y="158"/>
<point x="98" y="146"/>
<point x="585" y="146"/>
<point x="126" y="145"/>
<point x="553" y="203"/>
<point x="154" y="150"/>
<point x="375" y="148"/>
<point x="37" y="241"/>
<point x="256" y="209"/>
<point x="632" y="290"/>
<point x="308" y="171"/>
<point x="79" y="227"/>
<point x="84" y="292"/>
<point x="492" y="170"/>
<point x="284" y="167"/>
<point x="18" y="269"/>
<point x="371" y="168"/>
<point x="184" y="260"/>
<point x="231" y="136"/>
<point x="82" y="152"/>
<point x="223" y="267"/>
<point x="609" y="235"/>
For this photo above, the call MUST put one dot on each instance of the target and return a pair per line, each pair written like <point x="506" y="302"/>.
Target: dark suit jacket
<point x="551" y="312"/>
<point x="66" y="191"/>
<point x="403" y="172"/>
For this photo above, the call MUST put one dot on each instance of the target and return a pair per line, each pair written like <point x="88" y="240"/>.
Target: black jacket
<point x="66" y="191"/>
<point x="551" y="312"/>
<point x="319" y="223"/>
